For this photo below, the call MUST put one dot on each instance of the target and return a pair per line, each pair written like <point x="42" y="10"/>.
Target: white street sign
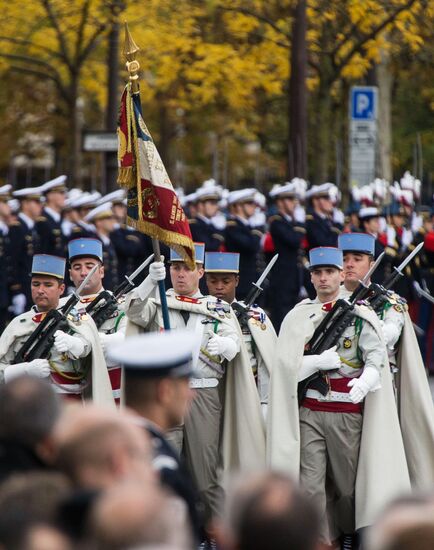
<point x="103" y="142"/>
<point x="363" y="134"/>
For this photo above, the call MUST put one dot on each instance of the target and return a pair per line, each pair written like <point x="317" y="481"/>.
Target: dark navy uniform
<point x="242" y="238"/>
<point x="132" y="248"/>
<point x="4" y="275"/>
<point x="82" y="230"/>
<point x="24" y="243"/>
<point x="205" y="232"/>
<point x="51" y="238"/>
<point x="110" y="261"/>
<point x="174" y="475"/>
<point x="321" y="231"/>
<point x="286" y="275"/>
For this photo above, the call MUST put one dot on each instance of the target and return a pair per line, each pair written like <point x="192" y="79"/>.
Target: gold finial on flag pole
<point x="133" y="66"/>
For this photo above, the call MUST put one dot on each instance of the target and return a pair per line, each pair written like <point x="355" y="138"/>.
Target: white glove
<point x="391" y="236"/>
<point x="157" y="272"/>
<point x="66" y="343"/>
<point x="338" y="216"/>
<point x="108" y="340"/>
<point x="407" y="238"/>
<point x="327" y="360"/>
<point x="18" y="304"/>
<point x="222" y="345"/>
<point x="299" y="214"/>
<point x="360" y="387"/>
<point x="391" y="333"/>
<point x="39" y="368"/>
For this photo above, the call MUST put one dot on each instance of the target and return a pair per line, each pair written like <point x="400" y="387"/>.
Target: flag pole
<point x="133" y="66"/>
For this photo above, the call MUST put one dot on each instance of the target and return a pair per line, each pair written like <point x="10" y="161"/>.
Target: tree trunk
<point x="297" y="150"/>
<point x="111" y="164"/>
<point x="385" y="82"/>
<point x="322" y="132"/>
<point x="73" y="161"/>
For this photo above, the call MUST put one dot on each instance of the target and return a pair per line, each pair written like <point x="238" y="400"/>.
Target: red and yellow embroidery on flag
<point x="153" y="206"/>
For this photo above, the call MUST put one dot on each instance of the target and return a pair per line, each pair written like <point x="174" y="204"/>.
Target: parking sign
<point x="364" y="103"/>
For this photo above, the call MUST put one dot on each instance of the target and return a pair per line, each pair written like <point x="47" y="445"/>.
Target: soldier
<point x="410" y="382"/>
<point x="5" y="257"/>
<point x="81" y="206"/>
<point x="157" y="389"/>
<point x="199" y="437"/>
<point x="369" y="217"/>
<point x="202" y="228"/>
<point x="83" y="255"/>
<point x="249" y="371"/>
<point x="49" y="225"/>
<point x="241" y="237"/>
<point x="320" y="228"/>
<point x="131" y="246"/>
<point x="103" y="219"/>
<point x="286" y="278"/>
<point x="24" y="243"/>
<point x="337" y="465"/>
<point x="64" y="365"/>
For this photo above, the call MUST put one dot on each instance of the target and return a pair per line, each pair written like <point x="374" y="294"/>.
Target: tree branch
<point x="41" y="74"/>
<point x="257" y="16"/>
<point x="23" y="42"/>
<point x="370" y="36"/>
<point x="80" y="32"/>
<point x="62" y="42"/>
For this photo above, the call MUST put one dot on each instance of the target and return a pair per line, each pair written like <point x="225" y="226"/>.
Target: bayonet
<point x="423" y="293"/>
<point x="130" y="278"/>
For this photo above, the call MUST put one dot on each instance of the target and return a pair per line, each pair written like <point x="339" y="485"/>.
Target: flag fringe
<point x="174" y="240"/>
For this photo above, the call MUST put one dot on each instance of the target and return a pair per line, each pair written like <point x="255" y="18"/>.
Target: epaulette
<point x="390" y="251"/>
<point x="257" y="232"/>
<point x="14" y="223"/>
<point x="336" y="230"/>
<point x="76" y="229"/>
<point x="299" y="229"/>
<point x="218" y="237"/>
<point x="133" y="238"/>
<point x="276" y="217"/>
<point x="41" y="219"/>
<point x="309" y="217"/>
<point x="231" y="222"/>
<point x="192" y="220"/>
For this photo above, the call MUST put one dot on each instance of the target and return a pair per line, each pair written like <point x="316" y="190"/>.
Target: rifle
<point x="242" y="309"/>
<point x="330" y="329"/>
<point x="106" y="303"/>
<point x="379" y="294"/>
<point x="38" y="345"/>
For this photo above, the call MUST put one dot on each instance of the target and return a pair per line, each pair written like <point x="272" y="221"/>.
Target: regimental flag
<point x="153" y="206"/>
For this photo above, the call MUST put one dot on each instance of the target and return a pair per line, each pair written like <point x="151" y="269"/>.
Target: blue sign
<point x="364" y="103"/>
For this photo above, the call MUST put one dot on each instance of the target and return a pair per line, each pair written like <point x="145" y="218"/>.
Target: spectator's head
<point x="27" y="502"/>
<point x="157" y="383"/>
<point x="126" y="516"/>
<point x="268" y="511"/>
<point x="98" y="448"/>
<point x="407" y="524"/>
<point x="29" y="410"/>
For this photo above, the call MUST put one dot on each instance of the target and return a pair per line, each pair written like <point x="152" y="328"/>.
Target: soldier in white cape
<point x="248" y="374"/>
<point x="381" y="469"/>
<point x="415" y="405"/>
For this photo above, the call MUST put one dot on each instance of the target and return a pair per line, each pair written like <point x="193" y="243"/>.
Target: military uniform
<point x="203" y="231"/>
<point x="68" y="375"/>
<point x="286" y="276"/>
<point x="242" y="238"/>
<point x="321" y="231"/>
<point x="49" y="229"/>
<point x="199" y="437"/>
<point x="24" y="243"/>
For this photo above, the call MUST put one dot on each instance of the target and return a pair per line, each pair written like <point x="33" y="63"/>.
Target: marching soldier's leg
<point x="313" y="463"/>
<point x="343" y="443"/>
<point x="202" y="447"/>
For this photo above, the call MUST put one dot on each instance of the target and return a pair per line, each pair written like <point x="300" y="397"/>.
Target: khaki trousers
<point x="199" y="442"/>
<point x="330" y="444"/>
